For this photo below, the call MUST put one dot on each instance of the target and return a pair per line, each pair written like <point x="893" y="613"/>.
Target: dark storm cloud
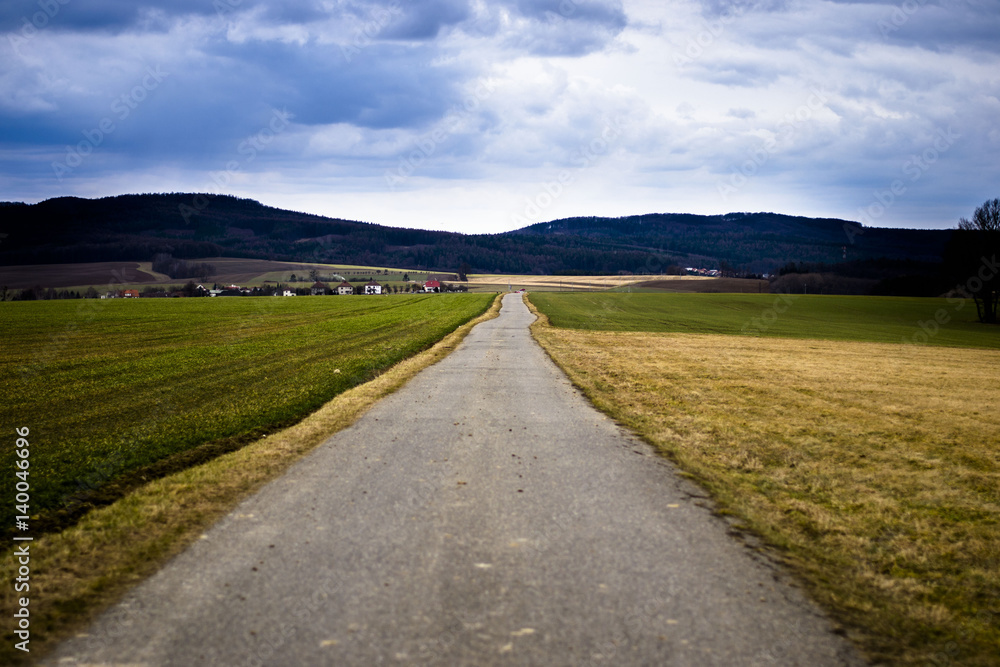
<point x="207" y="106"/>
<point x="609" y="14"/>
<point x="424" y="19"/>
<point x="949" y="25"/>
<point x="566" y="27"/>
<point x="387" y="79"/>
<point x="386" y="86"/>
<point x="931" y="24"/>
<point x="117" y="15"/>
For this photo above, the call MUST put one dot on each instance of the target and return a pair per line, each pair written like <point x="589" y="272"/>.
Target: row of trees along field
<point x="972" y="256"/>
<point x="967" y="268"/>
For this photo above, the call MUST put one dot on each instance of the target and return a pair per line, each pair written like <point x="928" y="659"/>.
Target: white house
<point x="373" y="287"/>
<point x="345" y="288"/>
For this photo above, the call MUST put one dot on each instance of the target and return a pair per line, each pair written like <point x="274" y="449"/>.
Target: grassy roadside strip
<point x="81" y="571"/>
<point x="871" y="469"/>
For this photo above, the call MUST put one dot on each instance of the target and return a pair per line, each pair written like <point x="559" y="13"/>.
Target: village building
<point x="345" y="288"/>
<point x="432" y="286"/>
<point x="372" y="287"/>
<point x="318" y="288"/>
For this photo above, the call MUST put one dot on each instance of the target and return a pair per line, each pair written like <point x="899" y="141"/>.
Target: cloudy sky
<point x="478" y="116"/>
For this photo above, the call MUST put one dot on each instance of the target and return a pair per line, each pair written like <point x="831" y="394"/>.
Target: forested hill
<point x="135" y="227"/>
<point x="753" y="240"/>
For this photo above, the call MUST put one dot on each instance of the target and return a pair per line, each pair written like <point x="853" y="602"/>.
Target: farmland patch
<point x="872" y="469"/>
<point x="116" y="390"/>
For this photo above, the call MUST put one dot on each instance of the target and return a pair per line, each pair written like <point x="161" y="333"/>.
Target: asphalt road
<point x="485" y="514"/>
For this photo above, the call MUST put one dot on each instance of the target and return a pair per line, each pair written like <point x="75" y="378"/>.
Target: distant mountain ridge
<point x="135" y="227"/>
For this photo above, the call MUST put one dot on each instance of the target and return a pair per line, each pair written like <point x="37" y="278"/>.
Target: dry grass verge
<point x="79" y="572"/>
<point x="874" y="469"/>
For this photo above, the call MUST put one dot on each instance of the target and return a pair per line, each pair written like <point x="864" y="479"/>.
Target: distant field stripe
<point x="947" y="322"/>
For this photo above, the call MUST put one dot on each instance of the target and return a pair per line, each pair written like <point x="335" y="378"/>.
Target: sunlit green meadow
<point x="109" y="387"/>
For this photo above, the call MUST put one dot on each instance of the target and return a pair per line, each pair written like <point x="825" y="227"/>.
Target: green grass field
<point x="950" y="322"/>
<point x="111" y="387"/>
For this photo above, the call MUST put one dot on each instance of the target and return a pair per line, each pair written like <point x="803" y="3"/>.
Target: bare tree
<point x="985" y="219"/>
<point x="973" y="254"/>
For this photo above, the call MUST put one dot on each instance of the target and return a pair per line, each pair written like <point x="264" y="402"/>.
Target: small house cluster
<point x="345" y="288"/>
<point x="713" y="273"/>
<point x="317" y="289"/>
<point x="229" y="290"/>
<point x="121" y="294"/>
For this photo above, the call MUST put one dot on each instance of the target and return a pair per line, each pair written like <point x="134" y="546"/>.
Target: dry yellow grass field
<point x="872" y="469"/>
<point x="502" y="281"/>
